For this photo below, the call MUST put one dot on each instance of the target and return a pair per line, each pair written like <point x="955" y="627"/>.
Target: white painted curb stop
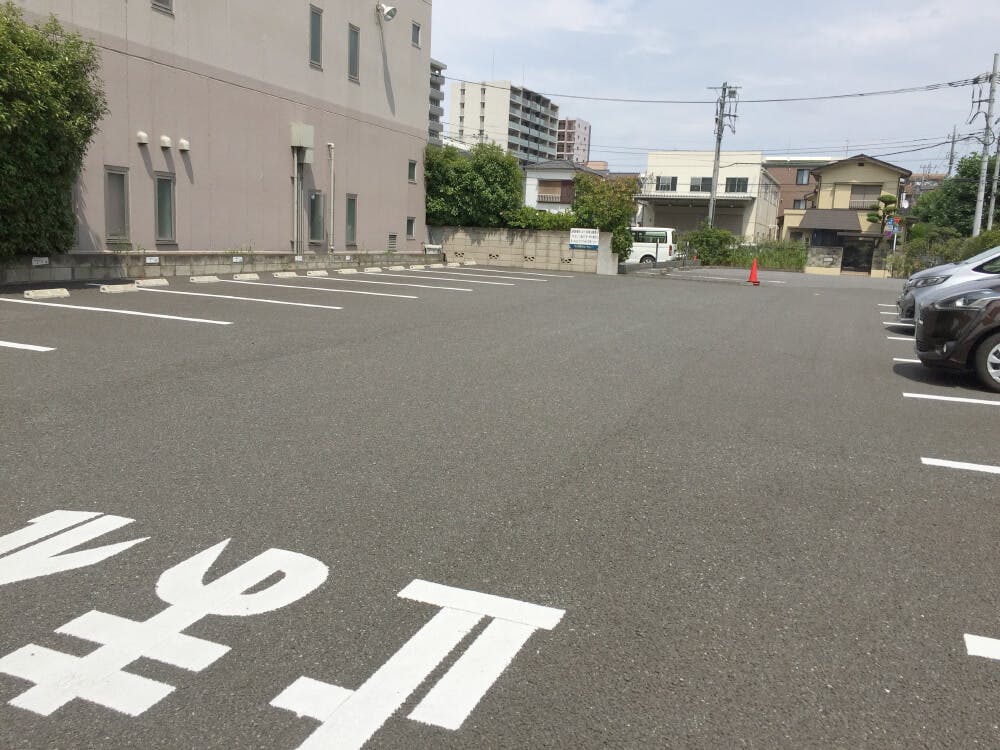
<point x="46" y="293"/>
<point x="348" y="270"/>
<point x="246" y="277"/>
<point x="454" y="265"/>
<point x="317" y="273"/>
<point x="469" y="263"/>
<point x="436" y="265"/>
<point x="397" y="268"/>
<point x="417" y="268"/>
<point x="204" y="279"/>
<point x="285" y="274"/>
<point x="118" y="288"/>
<point x="144" y="283"/>
<point x="373" y="270"/>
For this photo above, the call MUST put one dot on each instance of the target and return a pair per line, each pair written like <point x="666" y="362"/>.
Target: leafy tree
<point x="51" y="100"/>
<point x="880" y="214"/>
<point x="608" y="205"/>
<point x="526" y="217"/>
<point x="474" y="190"/>
<point x="712" y="245"/>
<point x="953" y="204"/>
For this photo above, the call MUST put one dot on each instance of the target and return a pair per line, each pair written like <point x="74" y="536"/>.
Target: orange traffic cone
<point x="753" y="274"/>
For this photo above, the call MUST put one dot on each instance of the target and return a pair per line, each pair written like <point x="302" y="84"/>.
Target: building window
<point x="864" y="197"/>
<point x="165" y="5"/>
<point x="666" y="183"/>
<point x="315" y="36"/>
<point x="801" y="176"/>
<point x="701" y="184"/>
<point x="411" y="224"/>
<point x="415" y="34"/>
<point x="353" y="53"/>
<point x="316" y="216"/>
<point x="799" y="203"/>
<point x="411" y="171"/>
<point x="737" y="184"/>
<point x="352" y="220"/>
<point x="165" y="212"/>
<point x="116" y="204"/>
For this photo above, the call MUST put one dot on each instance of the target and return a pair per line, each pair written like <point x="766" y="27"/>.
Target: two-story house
<point x="548" y="185"/>
<point x="677" y="185"/>
<point x="834" y="223"/>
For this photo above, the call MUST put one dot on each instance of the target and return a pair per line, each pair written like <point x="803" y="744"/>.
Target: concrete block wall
<point x="111" y="266"/>
<point x="519" y="248"/>
<point x="824" y="260"/>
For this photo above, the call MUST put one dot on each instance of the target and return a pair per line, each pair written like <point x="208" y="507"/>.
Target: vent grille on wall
<point x="391" y="245"/>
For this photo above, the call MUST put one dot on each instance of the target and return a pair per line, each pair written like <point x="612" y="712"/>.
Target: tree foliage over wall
<point x="474" y="190"/>
<point x="953" y="204"/>
<point x="608" y="205"/>
<point x="51" y="100"/>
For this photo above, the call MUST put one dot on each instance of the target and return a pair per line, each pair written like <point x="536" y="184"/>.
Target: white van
<point x="652" y="244"/>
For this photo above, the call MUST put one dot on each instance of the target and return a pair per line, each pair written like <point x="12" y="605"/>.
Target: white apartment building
<point x="435" y="127"/>
<point x="293" y="126"/>
<point x="522" y="122"/>
<point x="574" y="141"/>
<point x="676" y="187"/>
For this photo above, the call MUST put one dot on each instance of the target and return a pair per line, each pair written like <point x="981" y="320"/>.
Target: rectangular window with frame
<point x="316" y="217"/>
<point x="315" y="36"/>
<point x="415" y="34"/>
<point x="801" y="176"/>
<point x="165" y="208"/>
<point x="353" y="53"/>
<point x="666" y="183"/>
<point x="116" y="204"/>
<point x="411" y="171"/>
<point x="799" y="203"/>
<point x="351" y="217"/>
<point x="164" y="5"/>
<point x="737" y="184"/>
<point x="411" y="227"/>
<point x="701" y="184"/>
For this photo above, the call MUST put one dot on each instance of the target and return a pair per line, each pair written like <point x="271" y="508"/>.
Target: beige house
<point x="834" y="223"/>
<point x="239" y="125"/>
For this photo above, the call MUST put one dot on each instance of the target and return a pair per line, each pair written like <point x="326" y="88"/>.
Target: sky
<point x="667" y="50"/>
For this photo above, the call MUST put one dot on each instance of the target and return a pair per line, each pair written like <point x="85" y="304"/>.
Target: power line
<point x="854" y="95"/>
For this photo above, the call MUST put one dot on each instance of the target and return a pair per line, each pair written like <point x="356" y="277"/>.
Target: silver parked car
<point x="982" y="267"/>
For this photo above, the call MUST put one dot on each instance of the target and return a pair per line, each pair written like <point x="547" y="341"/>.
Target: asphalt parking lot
<point x="478" y="508"/>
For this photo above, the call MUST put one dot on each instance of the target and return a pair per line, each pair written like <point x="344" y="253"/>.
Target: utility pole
<point x="951" y="155"/>
<point x="725" y="115"/>
<point x="993" y="191"/>
<point x="977" y="222"/>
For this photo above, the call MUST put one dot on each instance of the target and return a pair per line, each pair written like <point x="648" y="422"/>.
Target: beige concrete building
<point x="251" y="124"/>
<point x="834" y="223"/>
<point x="573" y="142"/>
<point x="677" y="185"/>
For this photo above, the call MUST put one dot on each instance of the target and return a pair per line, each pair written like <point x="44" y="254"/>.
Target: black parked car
<point x="960" y="329"/>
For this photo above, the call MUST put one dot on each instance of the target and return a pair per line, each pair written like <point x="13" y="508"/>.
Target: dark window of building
<point x="353" y="53"/>
<point x="352" y="220"/>
<point x="737" y="184"/>
<point x="701" y="184"/>
<point x="315" y="36"/>
<point x="116" y="204"/>
<point x="801" y="176"/>
<point x="666" y="183"/>
<point x="165" y="212"/>
<point x="316" y="216"/>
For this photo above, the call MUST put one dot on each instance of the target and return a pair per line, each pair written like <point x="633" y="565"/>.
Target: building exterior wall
<point x="836" y="182"/>
<point x="435" y="126"/>
<point x="785" y="170"/>
<point x="230" y="77"/>
<point x="550" y="182"/>
<point x="574" y="141"/>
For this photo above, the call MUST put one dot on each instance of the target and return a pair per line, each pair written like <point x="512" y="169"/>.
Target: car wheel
<point x="988" y="362"/>
<point x="647" y="259"/>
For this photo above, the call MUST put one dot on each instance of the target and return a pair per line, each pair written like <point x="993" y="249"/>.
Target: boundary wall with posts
<point x="523" y="248"/>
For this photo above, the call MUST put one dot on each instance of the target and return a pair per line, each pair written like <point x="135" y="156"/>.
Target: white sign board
<point x="584" y="239"/>
<point x="39" y="261"/>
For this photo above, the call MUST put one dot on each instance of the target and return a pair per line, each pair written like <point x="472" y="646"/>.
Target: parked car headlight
<point x="977" y="300"/>
<point x="930" y="281"/>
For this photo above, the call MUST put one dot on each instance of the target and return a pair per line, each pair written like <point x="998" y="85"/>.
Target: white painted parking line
<point x="121" y="312"/>
<point x="900" y="338"/>
<point x="960" y="465"/>
<point x="523" y="273"/>
<point x="953" y="399"/>
<point x="27" y="347"/>
<point x="467" y="275"/>
<point x="438" y="278"/>
<point x="242" y="299"/>
<point x="892" y="306"/>
<point x="977" y="645"/>
<point x="318" y="289"/>
<point x="386" y="283"/>
<point x="682" y="274"/>
<point x="906" y="361"/>
<point x="899" y="323"/>
<point x="887" y="313"/>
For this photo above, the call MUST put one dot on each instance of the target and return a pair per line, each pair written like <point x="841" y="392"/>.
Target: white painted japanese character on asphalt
<point x="350" y="718"/>
<point x="99" y="677"/>
<point x="27" y="553"/>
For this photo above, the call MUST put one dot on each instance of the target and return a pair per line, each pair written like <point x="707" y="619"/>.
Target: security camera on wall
<point x="385" y="12"/>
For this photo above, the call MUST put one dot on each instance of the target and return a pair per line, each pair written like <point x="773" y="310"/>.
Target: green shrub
<point x="526" y="217"/>
<point x="776" y="255"/>
<point x="712" y="246"/>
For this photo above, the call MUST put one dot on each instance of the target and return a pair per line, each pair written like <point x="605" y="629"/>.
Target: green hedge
<point x="720" y="247"/>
